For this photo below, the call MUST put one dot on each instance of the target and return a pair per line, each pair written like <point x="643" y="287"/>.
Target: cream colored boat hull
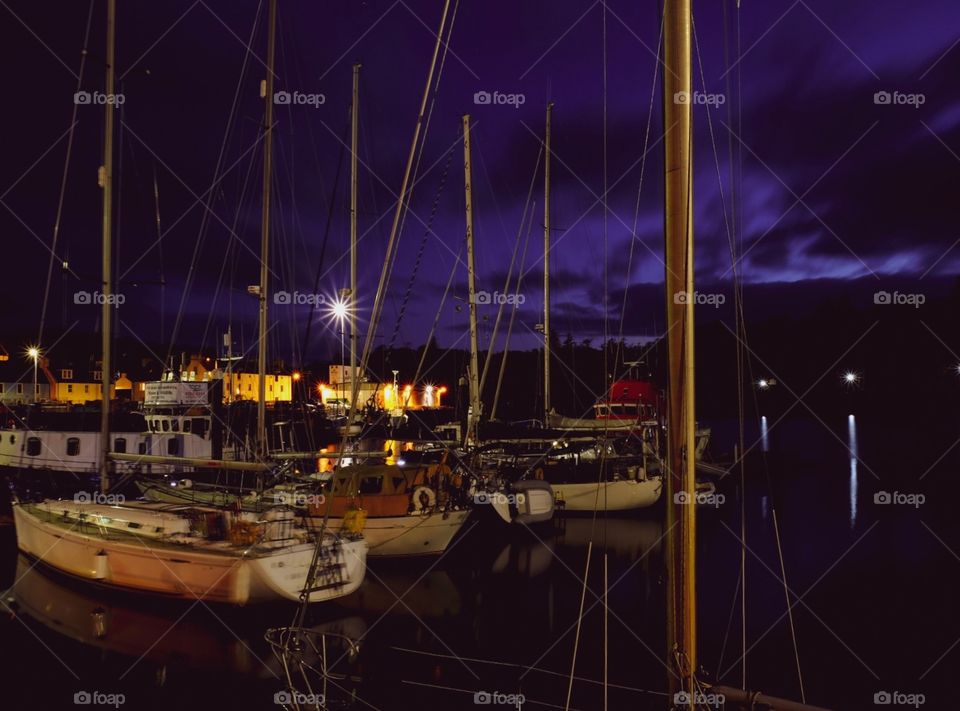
<point x="227" y="576"/>
<point x="413" y="534"/>
<point x="620" y="495"/>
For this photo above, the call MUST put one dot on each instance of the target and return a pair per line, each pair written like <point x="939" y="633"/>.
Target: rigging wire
<point x="506" y="286"/>
<point x="63" y="180"/>
<point x="741" y="339"/>
<point x="513" y="313"/>
<point x="205" y="218"/>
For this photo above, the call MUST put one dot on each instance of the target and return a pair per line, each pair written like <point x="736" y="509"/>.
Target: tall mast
<point x="474" y="415"/>
<point x="678" y="228"/>
<point x="546" y="271"/>
<point x="106" y="183"/>
<point x="267" y="92"/>
<point x="352" y="303"/>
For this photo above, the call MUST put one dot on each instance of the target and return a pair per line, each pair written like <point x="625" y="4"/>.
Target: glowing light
<point x="763" y="384"/>
<point x="296" y="375"/>
<point x="850" y="377"/>
<point x="33" y="352"/>
<point x="339" y="309"/>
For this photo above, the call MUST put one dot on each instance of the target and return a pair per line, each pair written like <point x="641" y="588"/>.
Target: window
<point x="33" y="446"/>
<point x="120" y="445"/>
<point x="86" y="388"/>
<point x="165" y="424"/>
<point x="19" y="388"/>
<point x="173" y="447"/>
<point x="199" y="426"/>
<point x="175" y="425"/>
<point x="186" y="425"/>
<point x="142" y="448"/>
<point x="69" y="387"/>
<point x="73" y="446"/>
<point x="98" y="375"/>
<point x="66" y="375"/>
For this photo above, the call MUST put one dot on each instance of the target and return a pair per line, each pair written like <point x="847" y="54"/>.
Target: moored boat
<point x="188" y="551"/>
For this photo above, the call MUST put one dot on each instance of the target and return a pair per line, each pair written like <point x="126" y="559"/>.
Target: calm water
<point x="873" y="587"/>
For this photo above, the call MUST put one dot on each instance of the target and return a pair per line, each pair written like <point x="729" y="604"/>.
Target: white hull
<point x="214" y="573"/>
<point x="413" y="534"/>
<point x="620" y="495"/>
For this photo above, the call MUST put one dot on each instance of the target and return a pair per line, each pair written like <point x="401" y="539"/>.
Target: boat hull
<point x="230" y="577"/>
<point x="409" y="535"/>
<point x="619" y="495"/>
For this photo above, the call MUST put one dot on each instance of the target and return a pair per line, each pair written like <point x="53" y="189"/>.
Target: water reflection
<point x="764" y="434"/>
<point x="852" y="447"/>
<point x="84" y="614"/>
<point x="166" y="635"/>
<point x="424" y="595"/>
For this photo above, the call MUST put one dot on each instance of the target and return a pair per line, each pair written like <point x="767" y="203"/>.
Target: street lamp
<point x="338" y="309"/>
<point x="33" y="352"/>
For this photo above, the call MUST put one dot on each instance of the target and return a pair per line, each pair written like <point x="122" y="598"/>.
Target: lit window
<point x="66" y="375"/>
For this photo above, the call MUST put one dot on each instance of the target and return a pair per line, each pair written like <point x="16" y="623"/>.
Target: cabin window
<point x="142" y="448"/>
<point x="371" y="485"/>
<point x="120" y="445"/>
<point x="173" y="447"/>
<point x="33" y="446"/>
<point x="186" y="425"/>
<point x="165" y="424"/>
<point x="175" y="425"/>
<point x="73" y="446"/>
<point x="199" y="426"/>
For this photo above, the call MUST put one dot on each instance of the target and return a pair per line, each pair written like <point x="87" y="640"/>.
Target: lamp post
<point x="34" y="353"/>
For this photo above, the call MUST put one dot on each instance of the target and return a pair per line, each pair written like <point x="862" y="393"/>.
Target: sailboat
<point x="190" y="552"/>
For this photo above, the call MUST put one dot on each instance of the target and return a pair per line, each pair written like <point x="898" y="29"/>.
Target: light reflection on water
<point x="764" y="434"/>
<point x="852" y="447"/>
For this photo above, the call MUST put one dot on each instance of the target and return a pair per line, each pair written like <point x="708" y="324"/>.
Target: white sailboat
<point x="188" y="552"/>
<point x="184" y="551"/>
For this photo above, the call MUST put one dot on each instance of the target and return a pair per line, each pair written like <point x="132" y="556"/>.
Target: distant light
<point x="33" y="352"/>
<point x="401" y="462"/>
<point x="296" y="375"/>
<point x="763" y="384"/>
<point x="850" y="377"/>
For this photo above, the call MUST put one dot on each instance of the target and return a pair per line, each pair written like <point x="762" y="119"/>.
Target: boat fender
<point x="423" y="498"/>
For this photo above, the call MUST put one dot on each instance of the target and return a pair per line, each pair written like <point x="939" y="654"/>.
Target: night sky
<point x="836" y="195"/>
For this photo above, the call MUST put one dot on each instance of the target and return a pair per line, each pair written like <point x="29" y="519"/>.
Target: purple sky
<point x="835" y="188"/>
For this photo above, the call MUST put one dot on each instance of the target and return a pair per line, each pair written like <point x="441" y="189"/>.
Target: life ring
<point x="423" y="497"/>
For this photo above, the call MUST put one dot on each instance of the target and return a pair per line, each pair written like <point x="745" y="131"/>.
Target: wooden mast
<point x="474" y="415"/>
<point x="678" y="226"/>
<point x="267" y="92"/>
<point x="352" y="300"/>
<point x="106" y="183"/>
<point x="546" y="270"/>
